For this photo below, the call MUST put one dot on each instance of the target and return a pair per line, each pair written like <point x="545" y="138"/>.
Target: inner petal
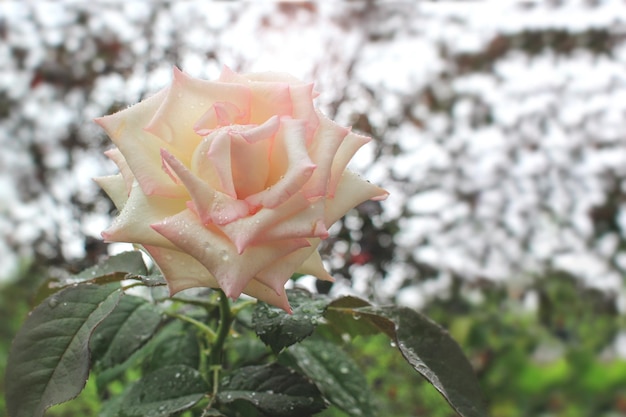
<point x="290" y="165"/>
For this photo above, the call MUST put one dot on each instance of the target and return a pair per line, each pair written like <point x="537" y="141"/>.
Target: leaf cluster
<point x="154" y="356"/>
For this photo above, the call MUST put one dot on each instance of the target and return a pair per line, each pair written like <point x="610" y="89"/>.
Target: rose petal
<point x="252" y="229"/>
<point x="280" y="270"/>
<point x="269" y="99"/>
<point x="133" y="224"/>
<point x="233" y="271"/>
<point x="141" y="149"/>
<point x="303" y="109"/>
<point x="313" y="265"/>
<point x="116" y="156"/>
<point x="220" y="114"/>
<point x="218" y="155"/>
<point x="211" y="206"/>
<point x="290" y="166"/>
<point x="323" y="150"/>
<point x="187" y="100"/>
<point x="203" y="167"/>
<point x="350" y="144"/>
<point x="115" y="187"/>
<point x="307" y="223"/>
<point x="182" y="271"/>
<point x="351" y="191"/>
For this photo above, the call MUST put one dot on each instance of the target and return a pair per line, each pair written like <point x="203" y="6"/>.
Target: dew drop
<point x="356" y="317"/>
<point x="343" y="369"/>
<point x="53" y="302"/>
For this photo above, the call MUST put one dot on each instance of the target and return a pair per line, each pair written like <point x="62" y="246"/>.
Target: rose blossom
<point x="231" y="183"/>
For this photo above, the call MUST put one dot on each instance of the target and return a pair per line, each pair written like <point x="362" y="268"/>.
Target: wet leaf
<point x="131" y="324"/>
<point x="279" y="329"/>
<point x="165" y="391"/>
<point x="273" y="389"/>
<point x="335" y="374"/>
<point x="49" y="359"/>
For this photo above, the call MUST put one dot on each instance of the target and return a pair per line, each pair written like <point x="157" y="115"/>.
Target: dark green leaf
<point x="176" y="344"/>
<point x="278" y="329"/>
<point x="49" y="359"/>
<point x="273" y="389"/>
<point x="335" y="374"/>
<point x="165" y="391"/>
<point x="128" y="262"/>
<point x="431" y="351"/>
<point x="125" y="330"/>
<point x="343" y="320"/>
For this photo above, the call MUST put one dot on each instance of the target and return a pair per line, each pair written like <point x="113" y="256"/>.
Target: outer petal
<point x="140" y="148"/>
<point x="140" y="211"/>
<point x="346" y="151"/>
<point x="182" y="271"/>
<point x="313" y="266"/>
<point x="116" y="156"/>
<point x="351" y="191"/>
<point x="280" y="270"/>
<point x="215" y="251"/>
<point x="115" y="187"/>
<point x="323" y="150"/>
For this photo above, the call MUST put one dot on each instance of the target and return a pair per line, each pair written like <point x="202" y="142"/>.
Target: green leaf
<point x="165" y="391"/>
<point x="129" y="262"/>
<point x="342" y="318"/>
<point x="437" y="357"/>
<point x="131" y="324"/>
<point x="278" y="329"/>
<point x="273" y="389"/>
<point x="335" y="374"/>
<point x="430" y="350"/>
<point x="49" y="359"/>
<point x="113" y="269"/>
<point x="176" y="344"/>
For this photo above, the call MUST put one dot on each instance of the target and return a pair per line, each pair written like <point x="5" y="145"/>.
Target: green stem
<point x="222" y="330"/>
<point x="209" y="333"/>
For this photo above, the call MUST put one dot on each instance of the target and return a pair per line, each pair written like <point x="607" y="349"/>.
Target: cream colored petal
<point x="253" y="229"/>
<point x="210" y="205"/>
<point x="115" y="187"/>
<point x="220" y="114"/>
<point x="133" y="224"/>
<point x="307" y="223"/>
<point x="269" y="99"/>
<point x="141" y="149"/>
<point x="313" y="265"/>
<point x="323" y="149"/>
<point x="290" y="165"/>
<point x="116" y="156"/>
<point x="212" y="249"/>
<point x="351" y="143"/>
<point x="182" y="271"/>
<point x="280" y="271"/>
<point x="351" y="191"/>
<point x="187" y="100"/>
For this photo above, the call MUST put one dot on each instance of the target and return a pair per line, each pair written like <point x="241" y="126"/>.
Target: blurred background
<point x="500" y="131"/>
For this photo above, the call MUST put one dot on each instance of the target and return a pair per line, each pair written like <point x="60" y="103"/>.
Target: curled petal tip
<point x="383" y="196"/>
